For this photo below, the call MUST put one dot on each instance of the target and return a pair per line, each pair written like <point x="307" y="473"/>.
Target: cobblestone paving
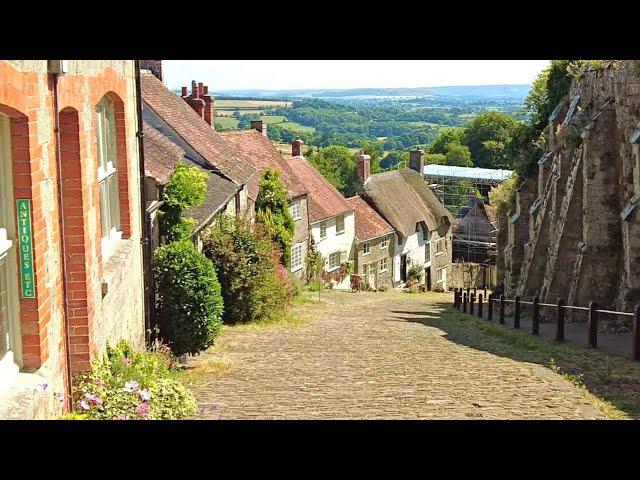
<point x="361" y="356"/>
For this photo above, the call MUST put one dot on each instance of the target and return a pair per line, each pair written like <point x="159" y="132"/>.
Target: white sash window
<point x="108" y="176"/>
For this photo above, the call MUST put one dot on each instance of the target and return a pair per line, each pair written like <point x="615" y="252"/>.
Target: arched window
<point x="9" y="309"/>
<point x="108" y="176"/>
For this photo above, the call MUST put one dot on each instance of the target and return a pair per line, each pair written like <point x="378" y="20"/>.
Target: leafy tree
<point x="444" y="138"/>
<point x="458" y="155"/>
<point x="185" y="189"/>
<point x="272" y="210"/>
<point x="337" y="164"/>
<point x="437" y="158"/>
<point x="487" y="136"/>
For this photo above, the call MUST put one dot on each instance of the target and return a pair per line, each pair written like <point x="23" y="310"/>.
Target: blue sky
<point x="300" y="74"/>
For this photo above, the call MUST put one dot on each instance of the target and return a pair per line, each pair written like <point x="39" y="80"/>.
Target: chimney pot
<point x="260" y="126"/>
<point x="200" y="89"/>
<point x="296" y="148"/>
<point x="185" y="92"/>
<point x="155" y="66"/>
<point x="205" y="90"/>
<point x="194" y="89"/>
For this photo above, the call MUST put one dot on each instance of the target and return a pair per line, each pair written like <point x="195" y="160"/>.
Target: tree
<point x="487" y="136"/>
<point x="337" y="164"/>
<point x="458" y="155"/>
<point x="273" y="212"/>
<point x="444" y="138"/>
<point x="435" y="158"/>
<point x="186" y="188"/>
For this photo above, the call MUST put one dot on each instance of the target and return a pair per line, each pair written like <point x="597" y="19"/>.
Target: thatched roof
<point x="403" y="198"/>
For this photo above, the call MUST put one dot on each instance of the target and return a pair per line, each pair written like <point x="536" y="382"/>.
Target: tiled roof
<point x="262" y="154"/>
<point x="369" y="224"/>
<point x="160" y="158"/>
<point x="323" y="200"/>
<point x="403" y="198"/>
<point x="194" y="130"/>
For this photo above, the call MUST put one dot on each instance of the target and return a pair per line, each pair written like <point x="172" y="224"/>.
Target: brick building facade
<point x="70" y="224"/>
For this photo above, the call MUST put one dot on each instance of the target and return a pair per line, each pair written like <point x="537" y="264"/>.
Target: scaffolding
<point x="464" y="191"/>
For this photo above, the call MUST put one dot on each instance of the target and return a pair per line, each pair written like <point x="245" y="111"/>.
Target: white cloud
<point x="300" y="74"/>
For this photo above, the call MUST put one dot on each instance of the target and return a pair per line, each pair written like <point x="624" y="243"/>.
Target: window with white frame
<point x="366" y="248"/>
<point x="365" y="269"/>
<point x="438" y="245"/>
<point x="9" y="305"/>
<point x="108" y="175"/>
<point x="323" y="230"/>
<point x="442" y="274"/>
<point x="383" y="265"/>
<point x="339" y="224"/>
<point x="296" y="209"/>
<point x="296" y="257"/>
<point x="334" y="260"/>
<point x="384" y="244"/>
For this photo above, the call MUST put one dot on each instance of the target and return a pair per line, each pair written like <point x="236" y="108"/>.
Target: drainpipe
<point x="147" y="273"/>
<point x="63" y="251"/>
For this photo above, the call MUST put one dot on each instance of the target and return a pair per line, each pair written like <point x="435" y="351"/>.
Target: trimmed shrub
<point x="125" y="384"/>
<point x="247" y="266"/>
<point x="189" y="299"/>
<point x="185" y="189"/>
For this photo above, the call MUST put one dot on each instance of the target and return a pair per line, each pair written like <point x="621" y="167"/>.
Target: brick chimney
<point x="296" y="148"/>
<point x="154" y="65"/>
<point x="260" y="126"/>
<point x="199" y="100"/>
<point x="416" y="161"/>
<point x="364" y="167"/>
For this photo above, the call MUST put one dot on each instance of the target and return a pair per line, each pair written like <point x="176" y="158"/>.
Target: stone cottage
<point x="331" y="219"/>
<point x="421" y="222"/>
<point x="71" y="263"/>
<point x="261" y="154"/>
<point x="373" y="246"/>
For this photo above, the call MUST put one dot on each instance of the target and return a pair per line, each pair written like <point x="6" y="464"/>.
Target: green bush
<point x="415" y="272"/>
<point x="185" y="189"/>
<point x="125" y="384"/>
<point x="189" y="299"/>
<point x="254" y="286"/>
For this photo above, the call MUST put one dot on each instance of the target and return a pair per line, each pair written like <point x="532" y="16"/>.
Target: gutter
<point x="147" y="254"/>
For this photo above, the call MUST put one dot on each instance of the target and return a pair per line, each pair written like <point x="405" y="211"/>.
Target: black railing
<point x="462" y="300"/>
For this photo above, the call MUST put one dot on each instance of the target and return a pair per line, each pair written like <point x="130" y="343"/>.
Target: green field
<point x="296" y="127"/>
<point x="272" y="119"/>
<point x="227" y="122"/>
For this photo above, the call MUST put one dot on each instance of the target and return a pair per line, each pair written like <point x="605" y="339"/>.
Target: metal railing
<point x="467" y="301"/>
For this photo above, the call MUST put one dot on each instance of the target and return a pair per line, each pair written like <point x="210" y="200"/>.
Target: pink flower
<point x="127" y="361"/>
<point x="131" y="386"/>
<point x="93" y="398"/>
<point x="144" y="395"/>
<point x="85" y="405"/>
<point x="142" y="409"/>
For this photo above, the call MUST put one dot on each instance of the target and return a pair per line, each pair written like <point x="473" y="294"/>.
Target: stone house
<point x="421" y="222"/>
<point x="261" y="154"/>
<point x="176" y="129"/>
<point x="71" y="262"/>
<point x="373" y="246"/>
<point x="331" y="219"/>
<point x="475" y="233"/>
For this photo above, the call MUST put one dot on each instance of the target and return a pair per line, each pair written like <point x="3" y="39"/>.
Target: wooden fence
<point x="467" y="303"/>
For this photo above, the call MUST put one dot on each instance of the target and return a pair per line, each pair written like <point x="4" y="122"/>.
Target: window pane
<point x="114" y="201"/>
<point x="104" y="208"/>
<point x="4" y="308"/>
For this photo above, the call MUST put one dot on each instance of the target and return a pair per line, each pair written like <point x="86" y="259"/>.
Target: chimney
<point x="208" y="106"/>
<point x="202" y="104"/>
<point x="260" y="126"/>
<point x="200" y="89"/>
<point x="185" y="92"/>
<point x="205" y="90"/>
<point x="296" y="148"/>
<point x="416" y="161"/>
<point x="364" y="167"/>
<point x="194" y="89"/>
<point x="155" y="66"/>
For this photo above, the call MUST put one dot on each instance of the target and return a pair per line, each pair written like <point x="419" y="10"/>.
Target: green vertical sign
<point x="25" y="242"/>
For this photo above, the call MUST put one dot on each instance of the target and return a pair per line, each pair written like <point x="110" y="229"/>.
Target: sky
<point x="304" y="74"/>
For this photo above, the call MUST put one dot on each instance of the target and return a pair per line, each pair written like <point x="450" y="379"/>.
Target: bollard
<point x="490" y="308"/>
<point x="468" y="292"/>
<point x="592" y="341"/>
<point x="516" y="312"/>
<point x="535" y="317"/>
<point x="475" y="291"/>
<point x="480" y="306"/>
<point x="560" y="320"/>
<point x="464" y="303"/>
<point x="501" y="320"/>
<point x="455" y="297"/>
<point x="471" y="303"/>
<point x="636" y="333"/>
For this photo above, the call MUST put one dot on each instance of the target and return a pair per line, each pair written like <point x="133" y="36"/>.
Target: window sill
<point x="114" y="266"/>
<point x="384" y="271"/>
<point x="340" y="233"/>
<point x="332" y="269"/>
<point x="295" y="269"/>
<point x="439" y="253"/>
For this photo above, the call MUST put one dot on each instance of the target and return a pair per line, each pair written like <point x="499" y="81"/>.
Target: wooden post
<point x="464" y="303"/>
<point x="480" y="306"/>
<point x="560" y="320"/>
<point x="455" y="297"/>
<point x="468" y="292"/>
<point x="501" y="320"/>
<point x="516" y="312"/>
<point x="636" y="333"/>
<point x="592" y="341"/>
<point x="490" y="308"/>
<point x="473" y="299"/>
<point x="475" y="291"/>
<point x="484" y="280"/>
<point x="535" y="317"/>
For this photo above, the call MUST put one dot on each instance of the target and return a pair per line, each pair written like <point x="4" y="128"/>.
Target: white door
<point x="9" y="311"/>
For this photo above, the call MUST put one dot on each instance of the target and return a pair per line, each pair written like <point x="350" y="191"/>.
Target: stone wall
<point x="375" y="278"/>
<point x="582" y="235"/>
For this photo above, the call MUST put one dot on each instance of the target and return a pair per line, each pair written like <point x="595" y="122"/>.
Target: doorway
<point x="427" y="277"/>
<point x="403" y="267"/>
